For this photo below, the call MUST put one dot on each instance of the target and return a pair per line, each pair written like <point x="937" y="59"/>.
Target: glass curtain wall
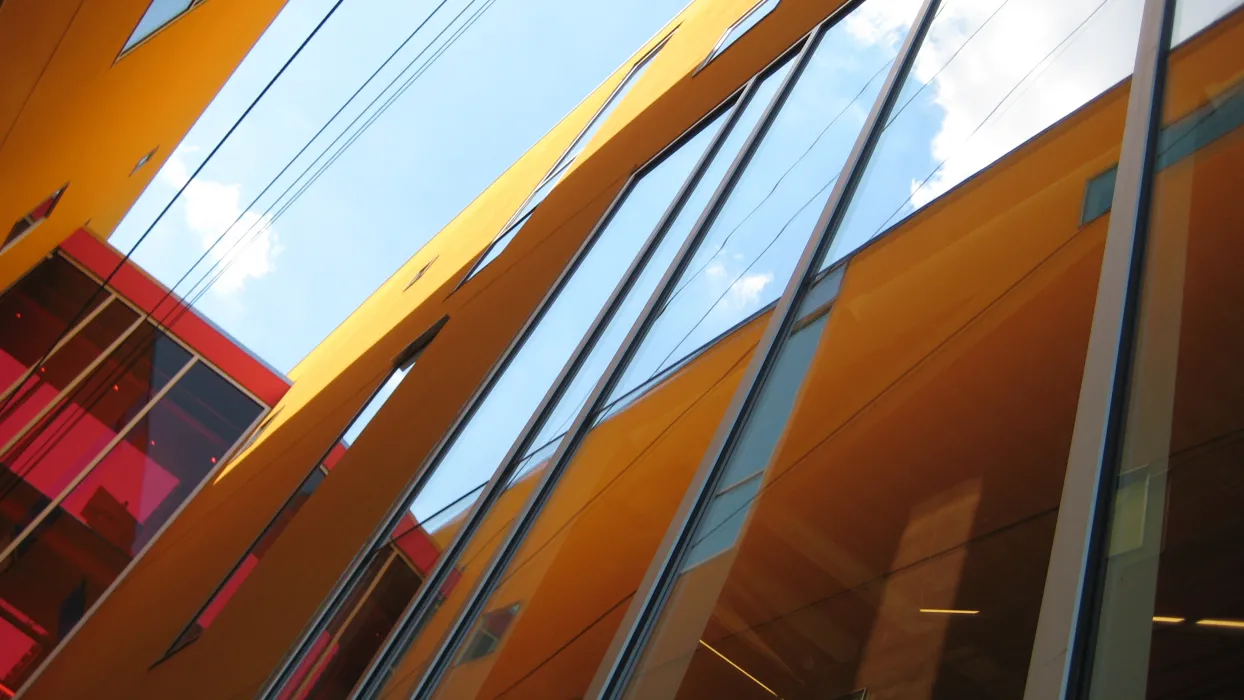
<point x="746" y="250"/>
<point x="104" y="441"/>
<point x="1172" y="617"/>
<point x="443" y="501"/>
<point x="881" y="521"/>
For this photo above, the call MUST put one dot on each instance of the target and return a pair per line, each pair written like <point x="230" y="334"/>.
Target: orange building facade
<point x="874" y="349"/>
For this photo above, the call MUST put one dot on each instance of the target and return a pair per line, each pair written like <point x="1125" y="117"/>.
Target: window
<point x="34" y="218"/>
<point x="563" y="164"/>
<point x="422" y="271"/>
<point x="242" y="570"/>
<point x="143" y="161"/>
<point x="492" y="627"/>
<point x="741" y="27"/>
<point x="159" y="14"/>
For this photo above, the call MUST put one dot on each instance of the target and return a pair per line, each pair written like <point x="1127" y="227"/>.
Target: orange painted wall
<point x="70" y="112"/>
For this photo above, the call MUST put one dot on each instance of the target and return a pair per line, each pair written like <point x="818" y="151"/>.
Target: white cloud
<point x="746" y="290"/>
<point x="249" y="248"/>
<point x="973" y="76"/>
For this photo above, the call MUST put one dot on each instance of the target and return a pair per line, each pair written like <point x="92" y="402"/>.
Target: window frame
<point x="131" y="45"/>
<point x="726" y="41"/>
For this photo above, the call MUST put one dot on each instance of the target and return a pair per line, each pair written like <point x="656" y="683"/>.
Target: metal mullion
<point x="282" y="671"/>
<point x="1060" y="664"/>
<point x="412" y="618"/>
<point x="86" y="372"/>
<point x="629" y="642"/>
<point x="581" y="426"/>
<point x="99" y="457"/>
<point x="58" y="345"/>
<point x="220" y="463"/>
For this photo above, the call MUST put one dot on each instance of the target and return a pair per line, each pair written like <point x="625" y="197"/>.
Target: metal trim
<point x="629" y="642"/>
<point x="1060" y="663"/>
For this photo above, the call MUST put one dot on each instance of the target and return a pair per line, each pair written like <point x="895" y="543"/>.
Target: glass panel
<point x="642" y="210"/>
<point x="63" y="567"/>
<point x="991" y="75"/>
<point x="63" y="368"/>
<point x="158" y="14"/>
<point x="890" y="537"/>
<point x="61" y="445"/>
<point x="467" y="463"/>
<point x="277" y="525"/>
<point x="580" y="563"/>
<point x="1172" y="617"/>
<point x="37" y="310"/>
<point x="755" y="240"/>
<point x="751" y="19"/>
<point x="607" y="109"/>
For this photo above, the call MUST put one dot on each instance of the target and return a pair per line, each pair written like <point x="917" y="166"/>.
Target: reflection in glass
<point x="755" y="239"/>
<point x="1172" y="613"/>
<point x="470" y="459"/>
<point x="58" y="572"/>
<point x="990" y="75"/>
<point x="159" y="13"/>
<point x="891" y="532"/>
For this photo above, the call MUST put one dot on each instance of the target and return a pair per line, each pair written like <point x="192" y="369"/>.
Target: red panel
<point x="145" y="293"/>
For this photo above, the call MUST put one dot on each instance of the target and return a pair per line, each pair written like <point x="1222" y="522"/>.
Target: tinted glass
<point x="1172" y="620"/>
<point x="64" y="369"/>
<point x="71" y="558"/>
<point x="36" y="311"/>
<point x="884" y="519"/>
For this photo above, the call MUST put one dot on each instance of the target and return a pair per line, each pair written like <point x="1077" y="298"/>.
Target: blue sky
<point x="492" y="95"/>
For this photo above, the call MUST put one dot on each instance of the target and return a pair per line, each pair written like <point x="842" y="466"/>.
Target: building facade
<point x="867" y="349"/>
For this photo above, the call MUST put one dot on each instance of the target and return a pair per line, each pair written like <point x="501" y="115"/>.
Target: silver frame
<point x="637" y="626"/>
<point x="581" y="426"/>
<point x="1062" y="649"/>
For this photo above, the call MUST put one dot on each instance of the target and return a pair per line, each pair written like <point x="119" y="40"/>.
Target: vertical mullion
<point x="73" y="384"/>
<point x="1060" y="662"/>
<point x="57" y="346"/>
<point x="612" y="677"/>
<point x="560" y="459"/>
<point x="99" y="457"/>
<point x="355" y="569"/>
<point x="412" y="619"/>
